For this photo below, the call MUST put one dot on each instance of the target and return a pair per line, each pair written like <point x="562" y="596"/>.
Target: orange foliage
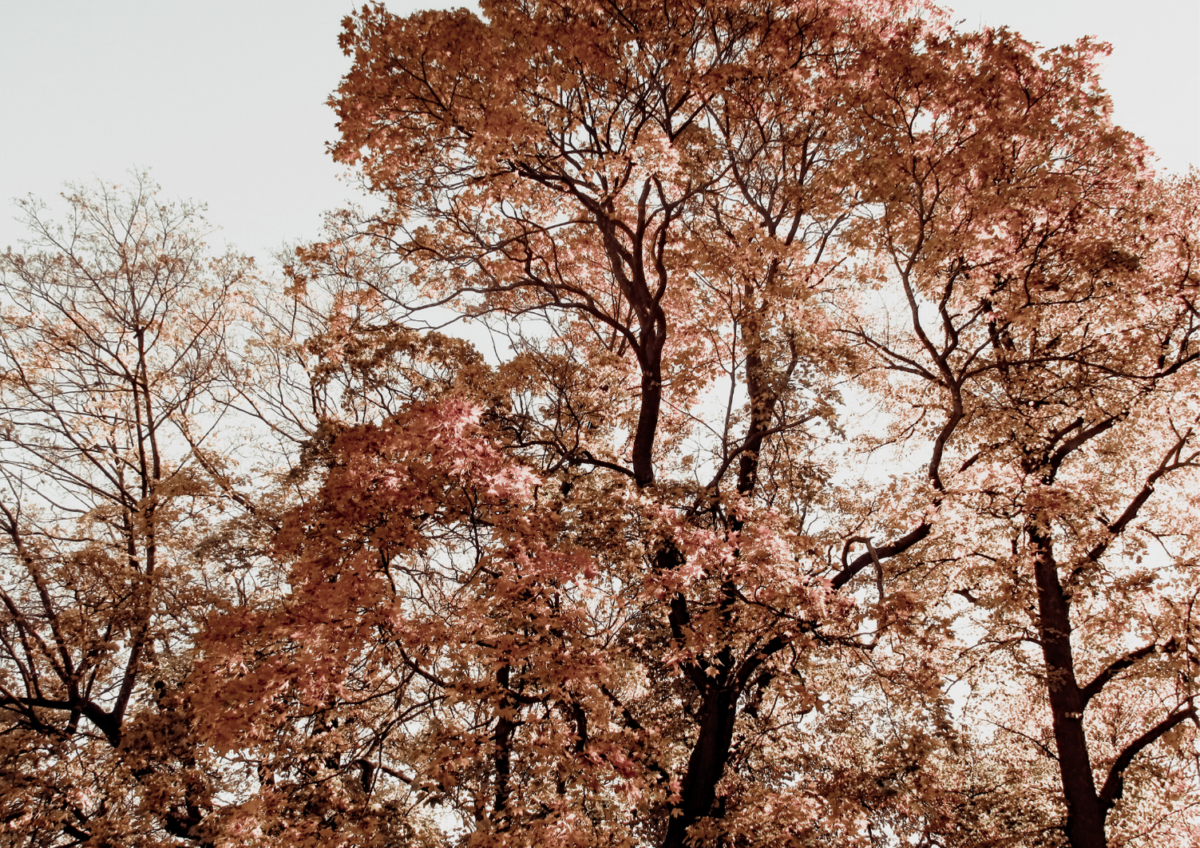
<point x="829" y="478"/>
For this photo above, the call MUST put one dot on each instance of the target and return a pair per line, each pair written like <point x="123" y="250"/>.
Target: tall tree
<point x="640" y="580"/>
<point x="1061" y="335"/>
<point x="113" y="335"/>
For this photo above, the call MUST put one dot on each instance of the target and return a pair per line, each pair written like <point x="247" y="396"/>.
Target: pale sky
<point x="224" y="100"/>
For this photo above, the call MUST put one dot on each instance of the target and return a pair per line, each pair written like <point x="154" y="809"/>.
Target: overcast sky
<point x="224" y="100"/>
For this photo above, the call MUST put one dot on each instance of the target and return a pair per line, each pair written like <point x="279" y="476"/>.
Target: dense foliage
<point x="743" y="423"/>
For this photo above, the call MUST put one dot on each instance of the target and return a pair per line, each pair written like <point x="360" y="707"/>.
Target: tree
<point x="1067" y="348"/>
<point x="642" y="579"/>
<point x="115" y="327"/>
<point x="829" y="479"/>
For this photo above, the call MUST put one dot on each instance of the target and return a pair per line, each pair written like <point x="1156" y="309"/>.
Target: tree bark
<point x="1086" y="813"/>
<point x="706" y="765"/>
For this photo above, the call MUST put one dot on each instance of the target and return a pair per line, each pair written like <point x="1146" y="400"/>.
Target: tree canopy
<point x="742" y="423"/>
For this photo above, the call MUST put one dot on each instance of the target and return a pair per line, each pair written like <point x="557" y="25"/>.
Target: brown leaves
<point x="824" y="472"/>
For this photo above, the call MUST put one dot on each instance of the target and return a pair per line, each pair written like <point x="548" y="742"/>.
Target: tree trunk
<point x="1085" y="811"/>
<point x="707" y="763"/>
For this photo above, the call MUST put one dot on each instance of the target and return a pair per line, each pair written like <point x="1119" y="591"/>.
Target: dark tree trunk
<point x="707" y="763"/>
<point x="647" y="426"/>
<point x="1086" y="813"/>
